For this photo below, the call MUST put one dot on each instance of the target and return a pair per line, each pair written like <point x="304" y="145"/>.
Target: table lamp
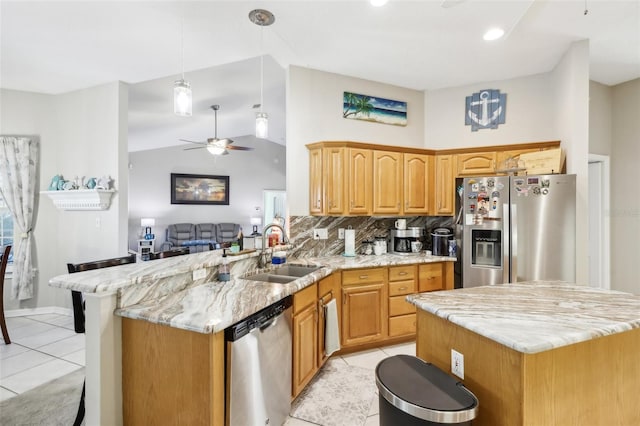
<point x="147" y="223"/>
<point x="255" y="221"/>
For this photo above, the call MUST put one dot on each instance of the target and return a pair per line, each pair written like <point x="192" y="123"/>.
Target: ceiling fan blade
<point x="195" y="147"/>
<point x="199" y="143"/>
<point x="239" y="148"/>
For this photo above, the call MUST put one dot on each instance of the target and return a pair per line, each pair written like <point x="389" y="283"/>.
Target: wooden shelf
<point x="81" y="199"/>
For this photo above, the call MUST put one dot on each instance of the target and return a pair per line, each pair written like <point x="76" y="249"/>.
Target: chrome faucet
<point x="262" y="259"/>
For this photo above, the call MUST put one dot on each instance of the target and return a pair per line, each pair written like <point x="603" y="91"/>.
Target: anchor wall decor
<point x="485" y="109"/>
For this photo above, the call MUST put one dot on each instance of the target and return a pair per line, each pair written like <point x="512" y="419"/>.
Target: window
<point x="6" y="231"/>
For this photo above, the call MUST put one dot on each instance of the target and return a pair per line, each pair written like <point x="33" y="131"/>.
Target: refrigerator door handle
<point x="511" y="253"/>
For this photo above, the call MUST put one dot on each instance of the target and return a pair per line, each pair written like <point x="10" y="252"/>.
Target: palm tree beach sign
<point x="374" y="109"/>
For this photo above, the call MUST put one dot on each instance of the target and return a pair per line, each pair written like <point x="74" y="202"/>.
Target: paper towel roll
<point x="349" y="242"/>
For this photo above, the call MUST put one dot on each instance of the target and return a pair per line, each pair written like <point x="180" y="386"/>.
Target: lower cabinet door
<point x="364" y="314"/>
<point x="305" y="348"/>
<point x="402" y="325"/>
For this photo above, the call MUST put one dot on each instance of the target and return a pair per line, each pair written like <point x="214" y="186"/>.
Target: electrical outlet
<point x="341" y="233"/>
<point x="199" y="274"/>
<point x="320" y="234"/>
<point x="457" y="363"/>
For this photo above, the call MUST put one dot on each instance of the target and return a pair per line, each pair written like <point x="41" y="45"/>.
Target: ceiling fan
<point x="214" y="145"/>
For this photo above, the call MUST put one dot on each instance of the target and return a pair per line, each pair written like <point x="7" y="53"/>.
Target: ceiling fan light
<point x="182" y="98"/>
<point x="378" y="3"/>
<point x="262" y="125"/>
<point x="215" y="150"/>
<point x="493" y="34"/>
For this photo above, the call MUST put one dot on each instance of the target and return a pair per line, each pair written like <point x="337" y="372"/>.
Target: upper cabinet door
<point x="476" y="164"/>
<point x="416" y="183"/>
<point x="334" y="180"/>
<point x="445" y="181"/>
<point x="387" y="182"/>
<point x="316" y="198"/>
<point x="359" y="183"/>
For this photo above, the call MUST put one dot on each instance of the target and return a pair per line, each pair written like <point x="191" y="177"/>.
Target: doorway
<point x="599" y="243"/>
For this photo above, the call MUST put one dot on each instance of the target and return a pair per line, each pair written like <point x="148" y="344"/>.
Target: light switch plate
<point x="341" y="233"/>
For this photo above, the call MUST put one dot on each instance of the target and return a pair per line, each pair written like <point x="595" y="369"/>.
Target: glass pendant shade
<point x="215" y="150"/>
<point x="182" y="99"/>
<point x="262" y="125"/>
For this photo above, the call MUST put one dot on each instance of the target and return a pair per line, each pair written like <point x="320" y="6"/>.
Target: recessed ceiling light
<point x="378" y="3"/>
<point x="493" y="34"/>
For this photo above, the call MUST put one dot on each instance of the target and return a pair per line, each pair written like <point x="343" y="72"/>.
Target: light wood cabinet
<point x="359" y="181"/>
<point x="171" y="376"/>
<point x="402" y="319"/>
<point x="417" y="169"/>
<point x="435" y="276"/>
<point x="316" y="197"/>
<point x="305" y="338"/>
<point x="387" y="182"/>
<point x="502" y="156"/>
<point x="476" y="164"/>
<point x="364" y="306"/>
<point x="334" y="177"/>
<point x="444" y="185"/>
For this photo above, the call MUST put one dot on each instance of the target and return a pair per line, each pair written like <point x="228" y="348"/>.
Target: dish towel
<point x="331" y="331"/>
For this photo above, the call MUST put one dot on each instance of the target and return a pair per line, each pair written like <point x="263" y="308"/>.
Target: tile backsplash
<point x="367" y="228"/>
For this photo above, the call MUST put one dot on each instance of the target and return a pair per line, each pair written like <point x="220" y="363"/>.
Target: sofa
<point x="200" y="237"/>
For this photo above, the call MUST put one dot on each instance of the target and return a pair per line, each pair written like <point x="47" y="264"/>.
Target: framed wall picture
<point x="199" y="189"/>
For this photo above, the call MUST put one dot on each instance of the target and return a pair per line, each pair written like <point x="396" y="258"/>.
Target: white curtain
<point x="18" y="168"/>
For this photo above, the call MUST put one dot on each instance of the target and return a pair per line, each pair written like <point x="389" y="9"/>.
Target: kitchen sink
<point x="283" y="274"/>
<point x="270" y="278"/>
<point x="294" y="270"/>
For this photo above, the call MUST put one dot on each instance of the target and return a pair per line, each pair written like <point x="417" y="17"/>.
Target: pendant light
<point x="262" y="18"/>
<point x="182" y="97"/>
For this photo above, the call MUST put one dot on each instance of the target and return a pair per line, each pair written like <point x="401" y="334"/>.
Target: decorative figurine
<point x="90" y="183"/>
<point x="53" y="186"/>
<point x="104" y="183"/>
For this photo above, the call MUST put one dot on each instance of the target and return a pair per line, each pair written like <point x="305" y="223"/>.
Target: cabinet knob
<point x="402" y="273"/>
<point x="363" y="277"/>
<point x="402" y="288"/>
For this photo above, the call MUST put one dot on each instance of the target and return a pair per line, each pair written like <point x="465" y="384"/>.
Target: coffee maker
<point x="405" y="241"/>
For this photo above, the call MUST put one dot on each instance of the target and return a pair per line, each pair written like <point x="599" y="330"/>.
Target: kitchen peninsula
<point x="171" y="340"/>
<point x="538" y="353"/>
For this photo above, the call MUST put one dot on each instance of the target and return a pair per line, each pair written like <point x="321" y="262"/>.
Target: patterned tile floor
<point x="45" y="347"/>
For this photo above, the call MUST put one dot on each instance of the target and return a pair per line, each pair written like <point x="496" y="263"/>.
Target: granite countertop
<point x="214" y="306"/>
<point x="532" y="317"/>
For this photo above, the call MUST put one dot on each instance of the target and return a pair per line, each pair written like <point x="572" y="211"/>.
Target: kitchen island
<point x="538" y="353"/>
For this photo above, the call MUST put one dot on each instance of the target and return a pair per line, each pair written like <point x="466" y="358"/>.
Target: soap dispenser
<point x="224" y="272"/>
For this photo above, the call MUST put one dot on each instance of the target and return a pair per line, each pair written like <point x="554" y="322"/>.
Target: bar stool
<point x="78" y="306"/>
<point x="3" y="268"/>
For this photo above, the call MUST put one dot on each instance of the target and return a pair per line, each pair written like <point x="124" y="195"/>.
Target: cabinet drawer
<point x="305" y="297"/>
<point x="398" y="305"/>
<point x="402" y="287"/>
<point x="363" y="276"/>
<point x="397" y="273"/>
<point x="430" y="277"/>
<point x="405" y="324"/>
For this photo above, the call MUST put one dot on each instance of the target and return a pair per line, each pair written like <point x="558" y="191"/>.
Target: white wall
<point x="625" y="173"/>
<point x="250" y="172"/>
<point x="80" y="134"/>
<point x="600" y="118"/>
<point x="530" y="115"/>
<point x="314" y="113"/>
<point x="571" y="89"/>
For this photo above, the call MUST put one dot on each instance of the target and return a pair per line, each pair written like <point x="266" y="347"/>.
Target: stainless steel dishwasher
<point x="259" y="367"/>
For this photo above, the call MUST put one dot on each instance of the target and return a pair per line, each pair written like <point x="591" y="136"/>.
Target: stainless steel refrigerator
<point x="518" y="228"/>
